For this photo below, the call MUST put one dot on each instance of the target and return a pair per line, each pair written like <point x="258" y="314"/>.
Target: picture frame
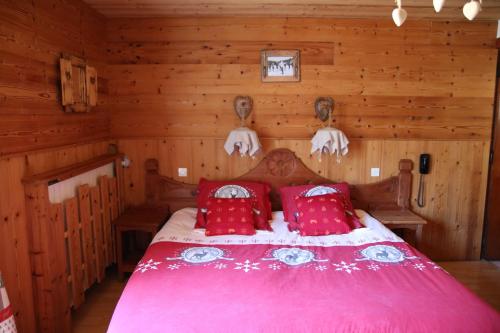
<point x="280" y="65"/>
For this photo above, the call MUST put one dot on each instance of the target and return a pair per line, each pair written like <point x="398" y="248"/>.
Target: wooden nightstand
<point x="401" y="219"/>
<point x="136" y="219"/>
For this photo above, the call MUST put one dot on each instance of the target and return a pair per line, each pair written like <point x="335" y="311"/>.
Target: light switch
<point x="183" y="172"/>
<point x="375" y="172"/>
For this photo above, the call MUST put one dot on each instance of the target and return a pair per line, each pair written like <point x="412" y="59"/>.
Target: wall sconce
<point x="243" y="139"/>
<point x="328" y="139"/>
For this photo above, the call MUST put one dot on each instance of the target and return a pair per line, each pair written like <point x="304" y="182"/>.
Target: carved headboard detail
<point x="281" y="167"/>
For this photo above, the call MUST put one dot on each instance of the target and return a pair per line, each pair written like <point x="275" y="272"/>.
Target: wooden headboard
<point x="281" y="167"/>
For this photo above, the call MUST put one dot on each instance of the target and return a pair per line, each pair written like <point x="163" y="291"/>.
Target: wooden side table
<point x="141" y="218"/>
<point x="401" y="219"/>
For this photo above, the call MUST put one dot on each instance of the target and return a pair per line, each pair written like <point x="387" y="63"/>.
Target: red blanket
<point x="377" y="287"/>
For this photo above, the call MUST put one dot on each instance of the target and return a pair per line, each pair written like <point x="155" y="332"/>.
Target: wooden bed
<point x="281" y="167"/>
<point x="394" y="282"/>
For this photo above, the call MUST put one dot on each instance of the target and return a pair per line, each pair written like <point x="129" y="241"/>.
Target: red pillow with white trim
<point x="290" y="193"/>
<point x="229" y="217"/>
<point x="258" y="192"/>
<point x="322" y="215"/>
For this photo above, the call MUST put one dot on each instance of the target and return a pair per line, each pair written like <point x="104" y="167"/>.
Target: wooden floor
<point x="93" y="316"/>
<point x="100" y="301"/>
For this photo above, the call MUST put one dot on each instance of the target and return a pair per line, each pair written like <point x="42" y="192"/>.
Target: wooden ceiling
<point x="417" y="9"/>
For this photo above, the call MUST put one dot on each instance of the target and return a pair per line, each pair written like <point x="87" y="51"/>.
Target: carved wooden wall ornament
<point x="323" y="106"/>
<point x="243" y="107"/>
<point x="78" y="84"/>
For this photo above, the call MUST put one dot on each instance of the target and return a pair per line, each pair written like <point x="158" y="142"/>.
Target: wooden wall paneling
<point x="214" y="52"/>
<point x="138" y="152"/>
<point x="60" y="236"/>
<point x="120" y="190"/>
<point x="36" y="32"/>
<point x="99" y="250"/>
<point x="294" y="8"/>
<point x="75" y="252"/>
<point x="399" y="92"/>
<point x="14" y="251"/>
<point x="43" y="257"/>
<point x="84" y="206"/>
<point x="450" y="205"/>
<point x="298" y="29"/>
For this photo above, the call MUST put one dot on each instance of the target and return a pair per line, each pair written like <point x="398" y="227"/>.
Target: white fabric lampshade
<point x="244" y="140"/>
<point x="330" y="140"/>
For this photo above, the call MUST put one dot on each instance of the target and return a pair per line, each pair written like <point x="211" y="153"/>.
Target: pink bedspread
<point x="377" y="287"/>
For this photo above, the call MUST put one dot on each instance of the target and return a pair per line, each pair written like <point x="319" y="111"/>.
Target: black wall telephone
<point x="425" y="165"/>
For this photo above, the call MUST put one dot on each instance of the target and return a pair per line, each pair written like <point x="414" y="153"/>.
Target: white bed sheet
<point x="180" y="229"/>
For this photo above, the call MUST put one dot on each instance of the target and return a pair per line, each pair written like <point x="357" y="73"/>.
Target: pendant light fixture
<point x="438" y="5"/>
<point x="471" y="9"/>
<point x="399" y="14"/>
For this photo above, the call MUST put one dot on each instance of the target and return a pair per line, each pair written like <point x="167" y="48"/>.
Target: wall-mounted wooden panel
<point x="33" y="34"/>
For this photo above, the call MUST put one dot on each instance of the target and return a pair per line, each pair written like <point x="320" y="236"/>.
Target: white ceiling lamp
<point x="438" y="5"/>
<point x="471" y="9"/>
<point x="399" y="14"/>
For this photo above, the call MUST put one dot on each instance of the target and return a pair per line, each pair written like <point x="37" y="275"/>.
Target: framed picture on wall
<point x="280" y="65"/>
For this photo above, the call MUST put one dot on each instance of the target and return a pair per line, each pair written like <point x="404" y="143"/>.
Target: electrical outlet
<point x="375" y="172"/>
<point x="182" y="172"/>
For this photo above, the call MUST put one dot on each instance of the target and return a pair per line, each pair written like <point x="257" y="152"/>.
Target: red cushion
<point x="229" y="217"/>
<point x="322" y="215"/>
<point x="257" y="191"/>
<point x="290" y="193"/>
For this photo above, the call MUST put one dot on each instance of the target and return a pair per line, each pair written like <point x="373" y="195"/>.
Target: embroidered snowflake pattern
<point x="173" y="266"/>
<point x="275" y="267"/>
<point x="420" y="267"/>
<point x="247" y="266"/>
<point x="321" y="268"/>
<point x="434" y="265"/>
<point x="373" y="267"/>
<point x="345" y="267"/>
<point x="220" y="265"/>
<point x="148" y="265"/>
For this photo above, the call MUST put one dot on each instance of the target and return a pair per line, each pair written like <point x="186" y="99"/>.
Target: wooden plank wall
<point x="14" y="248"/>
<point x="426" y="87"/>
<point x="33" y="33"/>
